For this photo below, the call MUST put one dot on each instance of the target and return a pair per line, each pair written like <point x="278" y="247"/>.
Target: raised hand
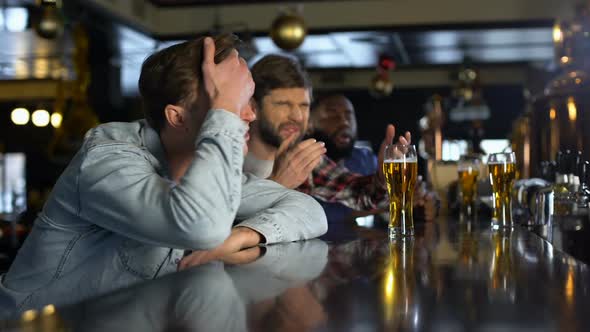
<point x="293" y="166"/>
<point x="229" y="83"/>
<point x="389" y="136"/>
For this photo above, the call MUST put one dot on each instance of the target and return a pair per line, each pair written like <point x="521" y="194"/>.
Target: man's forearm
<point x="278" y="214"/>
<point x="239" y="238"/>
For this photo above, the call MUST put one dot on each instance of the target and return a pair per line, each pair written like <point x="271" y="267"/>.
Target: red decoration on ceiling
<point x="386" y="62"/>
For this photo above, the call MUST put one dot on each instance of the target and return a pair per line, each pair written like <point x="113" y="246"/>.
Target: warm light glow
<point x="557" y="33"/>
<point x="56" y="119"/>
<point x="20" y="116"/>
<point x="552" y="113"/>
<point x="41" y="68"/>
<point x="49" y="309"/>
<point x="389" y="281"/>
<point x="295" y="32"/>
<point x="21" y="69"/>
<point x="565" y="59"/>
<point x="389" y="294"/>
<point x="569" y="286"/>
<point x="29" y="315"/>
<point x="572" y="112"/>
<point x="40" y="118"/>
<point x="578" y="80"/>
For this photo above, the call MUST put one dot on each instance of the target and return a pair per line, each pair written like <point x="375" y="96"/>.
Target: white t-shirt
<point x="260" y="168"/>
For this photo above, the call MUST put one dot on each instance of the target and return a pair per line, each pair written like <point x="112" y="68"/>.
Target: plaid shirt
<point x="332" y="182"/>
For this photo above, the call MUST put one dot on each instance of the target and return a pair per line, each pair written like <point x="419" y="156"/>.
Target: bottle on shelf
<point x="562" y="194"/>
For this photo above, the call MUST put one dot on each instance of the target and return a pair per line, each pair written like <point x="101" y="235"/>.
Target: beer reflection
<point x="569" y="286"/>
<point x="568" y="315"/>
<point x="467" y="247"/>
<point x="501" y="282"/>
<point x="400" y="301"/>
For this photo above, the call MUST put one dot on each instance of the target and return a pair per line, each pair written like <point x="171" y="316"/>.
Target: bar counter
<point x="451" y="276"/>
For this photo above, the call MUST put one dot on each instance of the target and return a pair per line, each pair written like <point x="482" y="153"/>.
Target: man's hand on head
<point x="389" y="136"/>
<point x="293" y="166"/>
<point x="229" y="83"/>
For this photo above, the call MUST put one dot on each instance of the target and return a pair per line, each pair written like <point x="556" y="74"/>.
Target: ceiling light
<point x="56" y="119"/>
<point x="16" y="18"/>
<point x="19" y="116"/>
<point x="40" y="118"/>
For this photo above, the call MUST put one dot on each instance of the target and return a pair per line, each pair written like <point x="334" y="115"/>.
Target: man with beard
<point x="282" y="100"/>
<point x="333" y="121"/>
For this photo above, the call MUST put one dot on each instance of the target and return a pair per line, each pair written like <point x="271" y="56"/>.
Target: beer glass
<point x="468" y="171"/>
<point x="400" y="167"/>
<point x="502" y="168"/>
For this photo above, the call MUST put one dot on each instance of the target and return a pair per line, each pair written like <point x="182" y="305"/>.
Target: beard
<point x="334" y="152"/>
<point x="271" y="136"/>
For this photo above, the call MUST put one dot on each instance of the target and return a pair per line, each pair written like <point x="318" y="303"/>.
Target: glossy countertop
<point x="452" y="276"/>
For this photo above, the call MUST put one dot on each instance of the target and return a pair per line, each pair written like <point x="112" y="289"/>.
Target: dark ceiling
<point x="176" y="3"/>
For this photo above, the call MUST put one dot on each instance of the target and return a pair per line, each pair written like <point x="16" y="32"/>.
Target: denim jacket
<point x="114" y="211"/>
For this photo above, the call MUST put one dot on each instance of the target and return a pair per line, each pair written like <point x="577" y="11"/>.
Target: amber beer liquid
<point x="401" y="176"/>
<point x="502" y="177"/>
<point x="468" y="183"/>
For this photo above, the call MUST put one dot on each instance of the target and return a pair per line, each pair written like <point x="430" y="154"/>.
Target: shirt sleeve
<point x="278" y="213"/>
<point x="120" y="190"/>
<point x="362" y="161"/>
<point x="331" y="182"/>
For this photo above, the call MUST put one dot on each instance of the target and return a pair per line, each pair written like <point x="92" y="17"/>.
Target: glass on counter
<point x="400" y="167"/>
<point x="468" y="170"/>
<point x="502" y="170"/>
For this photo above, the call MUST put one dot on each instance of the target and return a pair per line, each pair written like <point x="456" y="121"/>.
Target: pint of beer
<point x="400" y="167"/>
<point x="502" y="168"/>
<point x="468" y="171"/>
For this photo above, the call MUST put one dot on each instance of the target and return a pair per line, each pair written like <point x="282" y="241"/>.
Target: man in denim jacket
<point x="137" y="195"/>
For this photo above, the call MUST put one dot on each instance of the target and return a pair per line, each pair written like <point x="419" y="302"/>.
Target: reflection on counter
<point x="501" y="281"/>
<point x="454" y="276"/>
<point x="400" y="307"/>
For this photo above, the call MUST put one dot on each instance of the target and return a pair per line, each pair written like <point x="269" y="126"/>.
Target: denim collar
<point x="151" y="140"/>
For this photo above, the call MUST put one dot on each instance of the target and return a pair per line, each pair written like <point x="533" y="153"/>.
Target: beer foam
<point x="467" y="168"/>
<point x="500" y="163"/>
<point x="401" y="160"/>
